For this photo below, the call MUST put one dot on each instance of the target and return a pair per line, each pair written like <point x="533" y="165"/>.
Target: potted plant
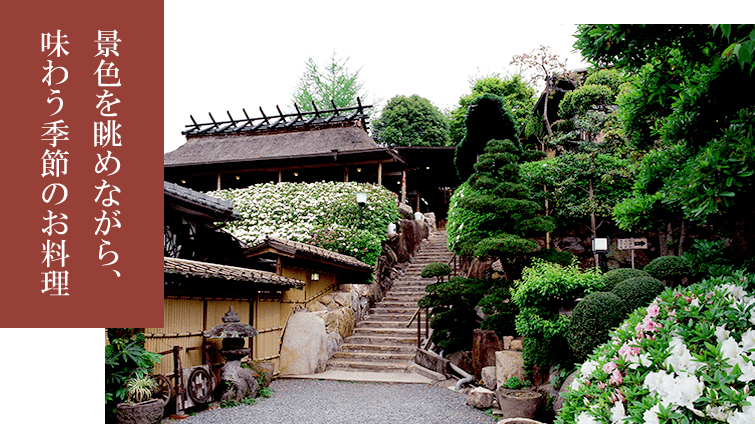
<point x="517" y="400"/>
<point x="141" y="406"/>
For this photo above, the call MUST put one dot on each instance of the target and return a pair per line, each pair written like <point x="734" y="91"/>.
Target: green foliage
<point x="411" y="121"/>
<point x="615" y="276"/>
<point x="519" y="99"/>
<point x="556" y="256"/>
<point x="488" y="119"/>
<point x="140" y="389"/>
<point x="265" y="392"/>
<point x="592" y="319"/>
<point x="491" y="212"/>
<point x="668" y="267"/>
<point x="693" y="87"/>
<point x="567" y="179"/>
<point x="585" y="98"/>
<point x="125" y="358"/>
<point x="545" y="287"/>
<point x="453" y="317"/>
<point x="500" y="310"/>
<point x="708" y="258"/>
<point x="637" y="292"/>
<point x="335" y="82"/>
<point x="435" y="269"/>
<point x="515" y="383"/>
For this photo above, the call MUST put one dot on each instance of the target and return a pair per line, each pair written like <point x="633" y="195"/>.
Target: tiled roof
<point x="200" y="202"/>
<point x="297" y="248"/>
<point x="208" y="270"/>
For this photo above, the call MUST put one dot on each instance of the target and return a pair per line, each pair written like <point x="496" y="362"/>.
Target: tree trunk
<point x="545" y="110"/>
<point x="593" y="227"/>
<point x="682" y="236"/>
<point x="664" y="240"/>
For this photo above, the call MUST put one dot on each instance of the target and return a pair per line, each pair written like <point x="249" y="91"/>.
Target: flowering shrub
<point x="324" y="214"/>
<point x="687" y="358"/>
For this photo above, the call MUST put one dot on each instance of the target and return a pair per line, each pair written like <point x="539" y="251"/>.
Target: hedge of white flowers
<point x="325" y="214"/>
<point x="688" y="358"/>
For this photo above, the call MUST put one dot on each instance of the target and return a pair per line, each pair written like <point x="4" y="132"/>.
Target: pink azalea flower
<point x="616" y="378"/>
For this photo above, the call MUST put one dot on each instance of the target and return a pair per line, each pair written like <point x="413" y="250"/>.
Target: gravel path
<point x="333" y="402"/>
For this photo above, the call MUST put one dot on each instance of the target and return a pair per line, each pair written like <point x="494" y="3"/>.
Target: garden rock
<point x="485" y="343"/>
<point x="343" y="299"/>
<point x="480" y="398"/>
<point x="305" y="345"/>
<point x="518" y="421"/>
<point x="489" y="377"/>
<point x="241" y="383"/>
<point x="509" y="363"/>
<point x="317" y="306"/>
<point x="326" y="300"/>
<point x="560" y="399"/>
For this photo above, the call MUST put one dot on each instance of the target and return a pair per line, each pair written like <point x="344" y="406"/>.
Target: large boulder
<point x="305" y="345"/>
<point x="489" y="377"/>
<point x="485" y="343"/>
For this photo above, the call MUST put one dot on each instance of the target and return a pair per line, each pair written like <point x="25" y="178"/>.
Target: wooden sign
<point x="632" y="243"/>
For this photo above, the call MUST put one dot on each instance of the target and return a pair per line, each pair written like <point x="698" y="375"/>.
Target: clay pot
<point x="518" y="403"/>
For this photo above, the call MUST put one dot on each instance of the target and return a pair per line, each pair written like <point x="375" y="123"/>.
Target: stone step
<point x="373" y="356"/>
<point x="372" y="331"/>
<point x="390" y="317"/>
<point x="382" y="324"/>
<point x="371" y="366"/>
<point x="361" y="347"/>
<point x="383" y="340"/>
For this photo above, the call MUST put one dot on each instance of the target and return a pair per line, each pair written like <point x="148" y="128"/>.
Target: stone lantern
<point x="241" y="381"/>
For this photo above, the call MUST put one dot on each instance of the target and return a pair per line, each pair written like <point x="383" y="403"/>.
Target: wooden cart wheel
<point x="199" y="385"/>
<point x="164" y="389"/>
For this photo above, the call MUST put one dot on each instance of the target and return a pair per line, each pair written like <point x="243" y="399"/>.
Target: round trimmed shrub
<point x="435" y="269"/>
<point x="668" y="267"/>
<point x="638" y="292"/>
<point x="615" y="276"/>
<point x="592" y="319"/>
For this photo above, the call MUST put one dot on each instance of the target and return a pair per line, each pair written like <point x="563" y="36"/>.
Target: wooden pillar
<point x="346" y="173"/>
<point x="218" y="181"/>
<point x="280" y="176"/>
<point x="403" y="187"/>
<point x="380" y="173"/>
<point x="418" y="201"/>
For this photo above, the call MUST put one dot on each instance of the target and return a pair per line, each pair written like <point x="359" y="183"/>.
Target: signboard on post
<point x="632" y="244"/>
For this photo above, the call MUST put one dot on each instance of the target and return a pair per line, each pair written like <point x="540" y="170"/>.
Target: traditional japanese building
<point x="207" y="271"/>
<point x="327" y="145"/>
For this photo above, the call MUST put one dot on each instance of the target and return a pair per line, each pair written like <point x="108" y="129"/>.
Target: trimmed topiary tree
<point x="435" y="269"/>
<point x="615" y="276"/>
<point x="671" y="268"/>
<point x="638" y="292"/>
<point x="591" y="321"/>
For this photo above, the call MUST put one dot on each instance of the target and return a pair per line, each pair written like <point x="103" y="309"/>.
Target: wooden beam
<point x="380" y="172"/>
<point x="403" y="187"/>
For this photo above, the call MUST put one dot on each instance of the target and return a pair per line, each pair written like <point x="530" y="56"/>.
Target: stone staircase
<point x="381" y="342"/>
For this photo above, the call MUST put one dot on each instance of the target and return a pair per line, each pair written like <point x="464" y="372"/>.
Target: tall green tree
<point x="411" y="121"/>
<point x="492" y="213"/>
<point x="322" y="84"/>
<point x="693" y="99"/>
<point x="519" y="98"/>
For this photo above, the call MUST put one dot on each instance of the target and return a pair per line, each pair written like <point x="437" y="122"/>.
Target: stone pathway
<point x="381" y="342"/>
